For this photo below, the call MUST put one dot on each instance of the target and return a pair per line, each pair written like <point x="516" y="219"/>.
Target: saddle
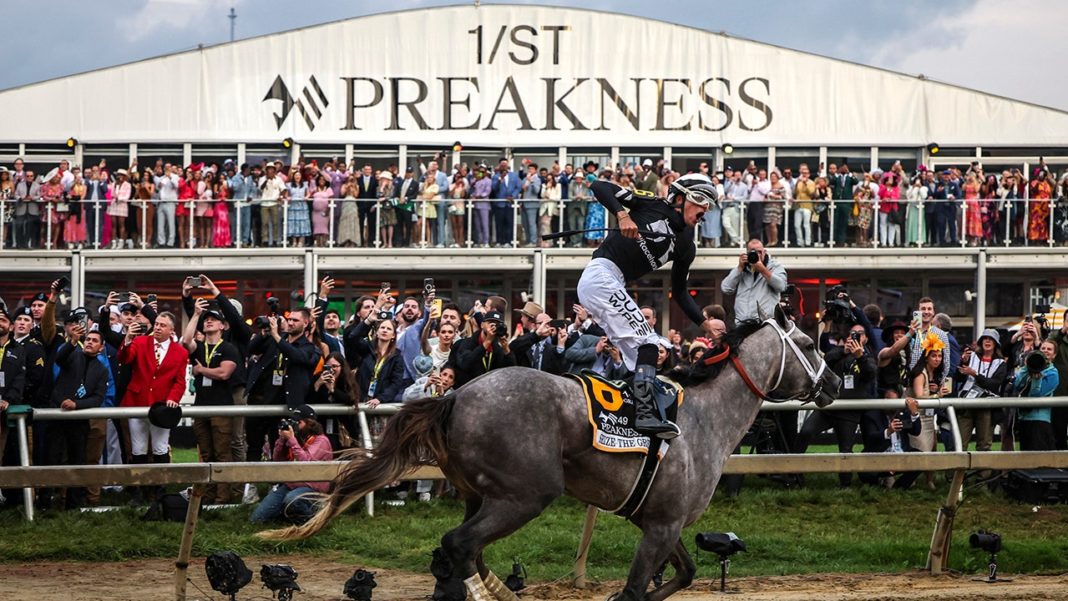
<point x="610" y="407"/>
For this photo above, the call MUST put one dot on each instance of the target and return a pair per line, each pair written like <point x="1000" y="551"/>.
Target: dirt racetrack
<point x="322" y="580"/>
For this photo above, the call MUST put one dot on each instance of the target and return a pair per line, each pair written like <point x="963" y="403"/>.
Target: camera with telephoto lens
<point x="261" y="321"/>
<point x="752" y="256"/>
<point x="837" y="309"/>
<point x="1036" y="362"/>
<point x="288" y="423"/>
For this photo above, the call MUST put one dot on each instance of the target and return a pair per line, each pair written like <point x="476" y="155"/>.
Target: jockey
<point x="627" y="255"/>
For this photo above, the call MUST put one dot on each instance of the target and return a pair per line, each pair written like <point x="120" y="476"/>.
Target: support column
<point x="77" y="279"/>
<point x="823" y="162"/>
<point x="79" y="155"/>
<point x="874" y="158"/>
<point x="294" y="153"/>
<point x="561" y="157"/>
<point x="349" y="154"/>
<point x="242" y="153"/>
<point x="537" y="279"/>
<point x="980" y="293"/>
<point x="311" y="271"/>
<point x="133" y="154"/>
<point x="187" y="154"/>
<point x="614" y="157"/>
<point x="771" y="159"/>
<point x="667" y="155"/>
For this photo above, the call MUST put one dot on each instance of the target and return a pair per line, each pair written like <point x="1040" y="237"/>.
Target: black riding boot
<point x="155" y="492"/>
<point x="647" y="418"/>
<point x="137" y="493"/>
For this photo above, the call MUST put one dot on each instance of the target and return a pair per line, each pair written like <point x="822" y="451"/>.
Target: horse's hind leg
<point x="656" y="546"/>
<point x="494" y="520"/>
<point x="684" y="573"/>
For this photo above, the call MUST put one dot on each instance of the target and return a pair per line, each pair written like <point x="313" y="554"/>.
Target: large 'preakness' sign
<point x="514" y="76"/>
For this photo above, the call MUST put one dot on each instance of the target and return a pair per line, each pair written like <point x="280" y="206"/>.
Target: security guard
<point x="12" y="372"/>
<point x="36" y="375"/>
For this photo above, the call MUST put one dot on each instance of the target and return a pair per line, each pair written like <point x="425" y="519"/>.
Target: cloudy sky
<point x="1014" y="48"/>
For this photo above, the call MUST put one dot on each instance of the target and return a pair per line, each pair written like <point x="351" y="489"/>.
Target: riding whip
<point x="568" y="233"/>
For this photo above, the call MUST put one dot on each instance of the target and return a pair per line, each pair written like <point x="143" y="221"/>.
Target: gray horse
<point x="515" y="439"/>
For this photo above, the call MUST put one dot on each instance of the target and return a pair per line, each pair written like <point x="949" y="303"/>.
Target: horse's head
<point x="802" y="373"/>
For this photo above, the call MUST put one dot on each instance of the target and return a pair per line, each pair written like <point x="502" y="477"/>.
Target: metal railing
<point x="361" y="412"/>
<point x="513" y="223"/>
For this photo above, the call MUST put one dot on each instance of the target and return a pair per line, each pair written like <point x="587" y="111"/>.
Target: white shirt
<point x="163" y="348"/>
<point x="271" y="190"/>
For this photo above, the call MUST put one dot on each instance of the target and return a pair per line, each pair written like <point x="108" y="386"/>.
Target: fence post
<point x="144" y="223"/>
<point x="938" y="555"/>
<point x="515" y="223"/>
<point x="24" y="461"/>
<point x="469" y="217"/>
<point x="378" y="223"/>
<point x="365" y="434"/>
<point x="192" y="211"/>
<point x="4" y="225"/>
<point x="784" y="234"/>
<point x="185" y="549"/>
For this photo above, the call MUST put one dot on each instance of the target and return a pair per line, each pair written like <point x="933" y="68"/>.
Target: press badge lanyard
<point x="279" y="372"/>
<point x="206" y="381"/>
<point x="374" y="378"/>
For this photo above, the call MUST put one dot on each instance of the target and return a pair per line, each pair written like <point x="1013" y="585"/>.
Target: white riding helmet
<point x="696" y="188"/>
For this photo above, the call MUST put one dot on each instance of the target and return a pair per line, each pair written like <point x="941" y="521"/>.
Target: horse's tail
<point x="414" y="436"/>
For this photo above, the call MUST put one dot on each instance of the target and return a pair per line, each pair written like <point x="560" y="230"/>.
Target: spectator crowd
<point x="336" y="203"/>
<point x="388" y="349"/>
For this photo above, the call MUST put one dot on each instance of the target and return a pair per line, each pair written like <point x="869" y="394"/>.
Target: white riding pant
<point x="603" y="291"/>
<point x="141" y="430"/>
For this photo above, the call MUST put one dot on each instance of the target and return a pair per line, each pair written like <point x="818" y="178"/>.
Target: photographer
<point x="855" y="366"/>
<point x="282" y="374"/>
<point x="483" y="353"/>
<point x="982" y="372"/>
<point x="214" y="361"/>
<point x="595" y="352"/>
<point x="757" y="284"/>
<point x="1038" y="377"/>
<point x="300" y="438"/>
<point x="889" y="432"/>
<point x="840" y="310"/>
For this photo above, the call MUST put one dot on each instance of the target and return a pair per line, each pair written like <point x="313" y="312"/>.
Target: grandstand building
<point x="545" y="84"/>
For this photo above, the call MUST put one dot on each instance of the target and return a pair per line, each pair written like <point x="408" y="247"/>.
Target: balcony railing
<point x="514" y="223"/>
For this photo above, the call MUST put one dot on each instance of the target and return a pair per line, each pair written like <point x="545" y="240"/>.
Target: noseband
<point x="815" y="374"/>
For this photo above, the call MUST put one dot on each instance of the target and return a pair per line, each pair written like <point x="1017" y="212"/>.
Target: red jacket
<point x="150" y="383"/>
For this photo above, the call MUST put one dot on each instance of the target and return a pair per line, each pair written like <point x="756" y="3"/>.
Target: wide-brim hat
<point x="122" y="172"/>
<point x="531" y="309"/>
<point x="888" y="332"/>
<point x="162" y="416"/>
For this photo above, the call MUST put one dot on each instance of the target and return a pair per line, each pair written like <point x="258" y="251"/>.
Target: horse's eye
<point x="811" y="346"/>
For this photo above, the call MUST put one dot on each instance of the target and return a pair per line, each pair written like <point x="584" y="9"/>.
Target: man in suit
<point x="842" y="185"/>
<point x="158" y="374"/>
<point x="505" y="187"/>
<point x="367" y="186"/>
<point x="405" y="192"/>
<point x="81" y="383"/>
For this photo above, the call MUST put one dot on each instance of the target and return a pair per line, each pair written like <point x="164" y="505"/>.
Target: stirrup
<point x="663" y="429"/>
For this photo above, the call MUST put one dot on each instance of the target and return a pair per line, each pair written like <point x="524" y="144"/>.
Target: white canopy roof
<point x="514" y="76"/>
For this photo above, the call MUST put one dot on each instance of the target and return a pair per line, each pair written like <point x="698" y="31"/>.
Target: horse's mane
<point x="690" y="375"/>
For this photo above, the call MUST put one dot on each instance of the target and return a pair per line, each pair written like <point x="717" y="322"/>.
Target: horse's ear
<point x="781" y="318"/>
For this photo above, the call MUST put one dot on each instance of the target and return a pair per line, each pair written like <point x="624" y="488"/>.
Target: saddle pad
<point x="610" y="408"/>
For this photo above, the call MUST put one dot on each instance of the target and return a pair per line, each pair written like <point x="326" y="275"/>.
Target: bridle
<point x="815" y="374"/>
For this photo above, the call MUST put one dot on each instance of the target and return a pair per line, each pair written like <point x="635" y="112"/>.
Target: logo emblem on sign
<point x="279" y="91"/>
